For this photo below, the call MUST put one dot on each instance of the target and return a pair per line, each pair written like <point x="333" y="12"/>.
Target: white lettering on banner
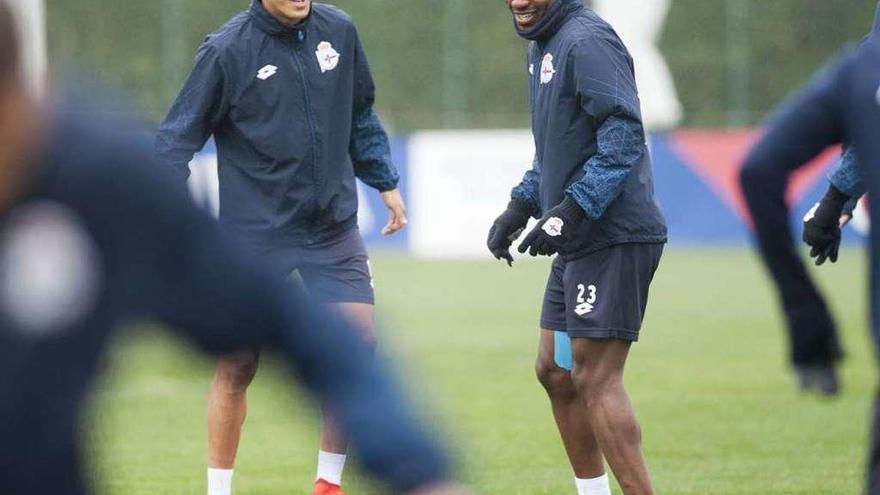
<point x="640" y="24"/>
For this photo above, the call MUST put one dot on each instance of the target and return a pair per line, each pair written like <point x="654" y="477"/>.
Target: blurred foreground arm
<point x="224" y="301"/>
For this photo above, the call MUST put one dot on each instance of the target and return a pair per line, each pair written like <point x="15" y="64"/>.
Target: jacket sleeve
<point x="846" y="176"/>
<point x="804" y="126"/>
<point x="194" y="279"/>
<point x="369" y="148"/>
<point x="606" y="87"/>
<point x="529" y="190"/>
<point x="198" y="108"/>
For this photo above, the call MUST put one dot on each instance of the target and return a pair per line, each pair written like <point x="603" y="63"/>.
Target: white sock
<point x="593" y="486"/>
<point x="330" y="467"/>
<point x="219" y="481"/>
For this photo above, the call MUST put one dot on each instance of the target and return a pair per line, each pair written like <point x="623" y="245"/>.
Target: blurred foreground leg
<point x="334" y="443"/>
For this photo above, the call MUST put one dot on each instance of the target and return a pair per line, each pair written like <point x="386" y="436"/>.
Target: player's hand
<point x="442" y="489"/>
<point x="554" y="230"/>
<point x="507" y="228"/>
<point x="822" y="226"/>
<point x="396" y="211"/>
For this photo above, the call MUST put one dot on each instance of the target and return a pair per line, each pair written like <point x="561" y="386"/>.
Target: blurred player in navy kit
<point x="815" y="346"/>
<point x="286" y="91"/>
<point x="591" y="186"/>
<point x="93" y="234"/>
<point x="840" y="105"/>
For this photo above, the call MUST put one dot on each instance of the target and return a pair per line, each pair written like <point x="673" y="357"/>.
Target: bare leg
<point x="227" y="406"/>
<point x="569" y="412"/>
<point x="598" y="377"/>
<point x="332" y="439"/>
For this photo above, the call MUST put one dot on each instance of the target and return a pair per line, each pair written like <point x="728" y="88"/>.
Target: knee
<point x="235" y="373"/>
<point x="593" y="385"/>
<point x="554" y="379"/>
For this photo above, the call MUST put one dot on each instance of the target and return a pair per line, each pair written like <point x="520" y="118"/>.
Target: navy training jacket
<point x="587" y="125"/>
<point x="291" y="111"/>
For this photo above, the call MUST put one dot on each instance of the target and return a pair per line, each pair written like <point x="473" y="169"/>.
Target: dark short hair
<point x="9" y="62"/>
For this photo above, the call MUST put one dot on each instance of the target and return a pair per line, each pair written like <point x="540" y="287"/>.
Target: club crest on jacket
<point x="547" y="70"/>
<point x="328" y="58"/>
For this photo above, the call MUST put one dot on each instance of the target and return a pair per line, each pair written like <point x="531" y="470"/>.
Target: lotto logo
<point x="266" y="72"/>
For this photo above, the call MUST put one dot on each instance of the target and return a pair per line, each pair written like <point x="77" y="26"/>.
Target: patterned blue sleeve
<point x="846" y="176"/>
<point x="606" y="85"/>
<point x="369" y="148"/>
<point x="371" y="153"/>
<point x="529" y="189"/>
<point x="621" y="144"/>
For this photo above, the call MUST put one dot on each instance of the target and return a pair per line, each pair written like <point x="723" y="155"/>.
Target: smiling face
<point x="527" y="13"/>
<point x="290" y="12"/>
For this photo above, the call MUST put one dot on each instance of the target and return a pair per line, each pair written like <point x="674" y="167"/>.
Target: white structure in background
<point x="459" y="181"/>
<point x="640" y="23"/>
<point x="31" y="17"/>
<point x="204" y="183"/>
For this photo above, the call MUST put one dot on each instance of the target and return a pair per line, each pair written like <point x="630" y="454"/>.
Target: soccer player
<point x="285" y="89"/>
<point x="92" y="235"/>
<point x="840" y="105"/>
<point x="591" y="185"/>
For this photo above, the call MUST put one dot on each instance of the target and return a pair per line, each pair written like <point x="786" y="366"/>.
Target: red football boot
<point x="323" y="487"/>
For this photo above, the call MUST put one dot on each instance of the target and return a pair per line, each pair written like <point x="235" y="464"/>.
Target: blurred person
<point x="815" y="348"/>
<point x="840" y="105"/>
<point x="286" y="90"/>
<point x="91" y="235"/>
<point x="591" y="186"/>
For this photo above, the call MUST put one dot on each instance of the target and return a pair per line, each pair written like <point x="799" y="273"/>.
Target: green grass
<point x="709" y="379"/>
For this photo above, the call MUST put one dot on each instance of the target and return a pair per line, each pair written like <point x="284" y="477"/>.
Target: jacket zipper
<point x="309" y="118"/>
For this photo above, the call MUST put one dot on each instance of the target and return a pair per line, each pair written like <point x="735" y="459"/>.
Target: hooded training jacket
<point x="291" y="111"/>
<point x="589" y="138"/>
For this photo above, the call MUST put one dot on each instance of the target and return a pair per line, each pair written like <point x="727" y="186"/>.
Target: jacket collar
<point x="271" y="25"/>
<point x="559" y="12"/>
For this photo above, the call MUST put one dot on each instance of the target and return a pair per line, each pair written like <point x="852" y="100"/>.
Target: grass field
<point x="714" y="395"/>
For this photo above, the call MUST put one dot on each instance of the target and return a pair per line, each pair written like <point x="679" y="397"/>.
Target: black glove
<point x="507" y="228"/>
<point x="822" y="226"/>
<point x="552" y="231"/>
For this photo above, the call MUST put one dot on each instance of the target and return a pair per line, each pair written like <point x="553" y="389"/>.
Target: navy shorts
<point x="602" y="295"/>
<point x="335" y="270"/>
